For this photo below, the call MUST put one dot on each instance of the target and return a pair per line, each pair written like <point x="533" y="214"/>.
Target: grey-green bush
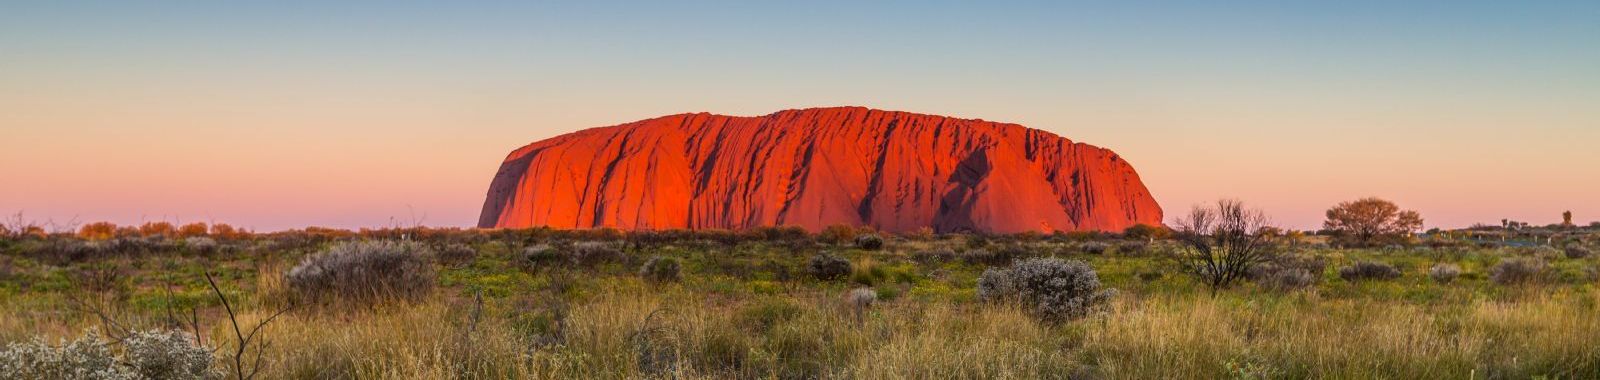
<point x="1518" y="270"/>
<point x="540" y="256"/>
<point x="201" y="245"/>
<point x="1368" y="270"/>
<point x="1444" y="273"/>
<point x="594" y="253"/>
<point x="1051" y="289"/>
<point x="661" y="269"/>
<point x="455" y="254"/>
<point x="169" y="354"/>
<point x="1289" y="279"/>
<point x="153" y="354"/>
<point x="366" y="271"/>
<point x="87" y="357"/>
<point x="1095" y="248"/>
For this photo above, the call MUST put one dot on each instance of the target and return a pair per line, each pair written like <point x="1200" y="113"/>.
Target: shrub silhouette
<point x="1577" y="252"/>
<point x="1095" y="248"/>
<point x="870" y="242"/>
<point x="367" y="271"/>
<point x="828" y="267"/>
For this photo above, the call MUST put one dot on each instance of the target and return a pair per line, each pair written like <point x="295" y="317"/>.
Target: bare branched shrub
<point x="828" y="267"/>
<point x="1518" y="270"/>
<point x="1444" y="273"/>
<point x="870" y="242"/>
<point x="661" y="269"/>
<point x="1051" y="289"/>
<point x="1222" y="243"/>
<point x="1368" y="270"/>
<point x="368" y="271"/>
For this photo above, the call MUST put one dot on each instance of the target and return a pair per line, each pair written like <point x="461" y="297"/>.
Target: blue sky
<point x="1467" y="111"/>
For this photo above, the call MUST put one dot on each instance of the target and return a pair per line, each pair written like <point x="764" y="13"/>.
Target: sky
<point x="276" y="115"/>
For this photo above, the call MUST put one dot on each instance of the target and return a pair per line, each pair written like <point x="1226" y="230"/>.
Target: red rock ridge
<point x="893" y="171"/>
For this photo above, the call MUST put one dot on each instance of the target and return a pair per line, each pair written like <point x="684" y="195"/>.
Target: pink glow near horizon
<point x="353" y="116"/>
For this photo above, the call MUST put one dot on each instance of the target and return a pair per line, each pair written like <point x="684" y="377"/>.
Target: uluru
<point x="812" y="168"/>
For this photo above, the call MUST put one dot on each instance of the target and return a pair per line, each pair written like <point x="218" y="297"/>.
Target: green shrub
<point x="766" y="313"/>
<point x="868" y="274"/>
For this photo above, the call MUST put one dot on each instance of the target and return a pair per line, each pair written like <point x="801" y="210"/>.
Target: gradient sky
<point x="277" y="115"/>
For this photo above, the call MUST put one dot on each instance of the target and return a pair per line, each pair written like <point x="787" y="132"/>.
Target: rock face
<point x="894" y="171"/>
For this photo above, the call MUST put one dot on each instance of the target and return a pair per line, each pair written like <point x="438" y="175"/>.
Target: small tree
<point x="1221" y="243"/>
<point x="1368" y="220"/>
<point x="1146" y="232"/>
<point x="1566" y="219"/>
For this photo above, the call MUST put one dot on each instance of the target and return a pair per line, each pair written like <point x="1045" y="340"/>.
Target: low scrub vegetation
<point x="418" y="303"/>
<point x="367" y="271"/>
<point x="1369" y="271"/>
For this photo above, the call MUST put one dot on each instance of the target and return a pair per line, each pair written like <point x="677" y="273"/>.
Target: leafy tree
<point x="1368" y="221"/>
<point x="98" y="231"/>
<point x="157" y="228"/>
<point x="1146" y="232"/>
